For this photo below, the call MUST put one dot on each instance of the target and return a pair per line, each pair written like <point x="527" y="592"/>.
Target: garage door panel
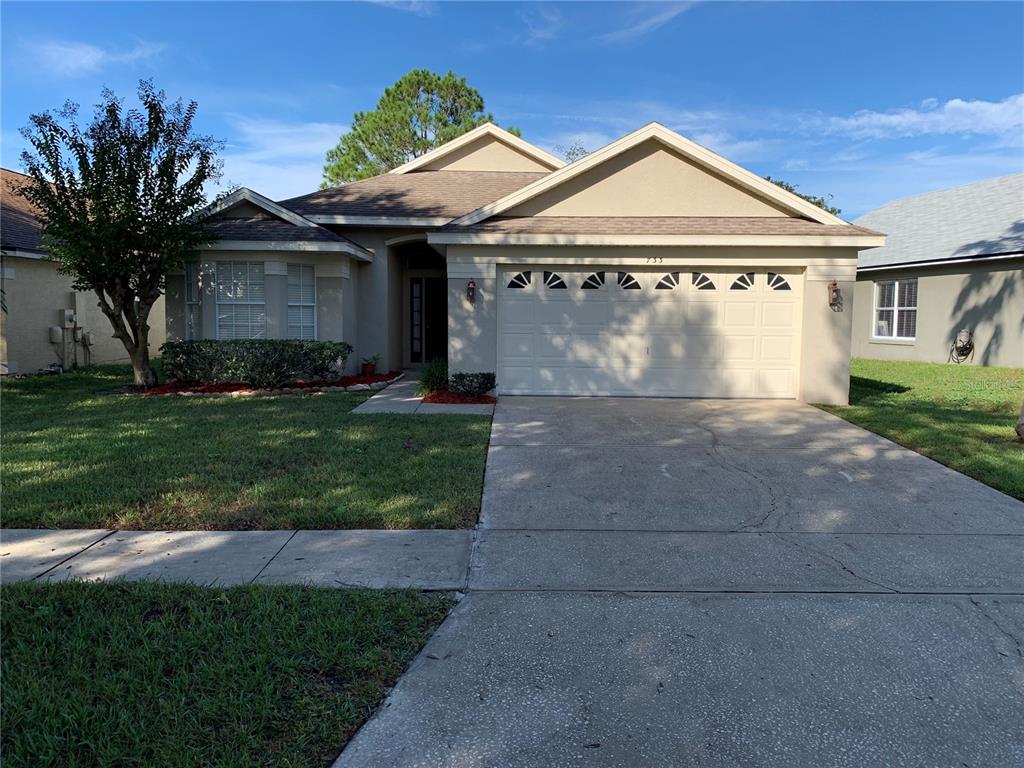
<point x="678" y="341"/>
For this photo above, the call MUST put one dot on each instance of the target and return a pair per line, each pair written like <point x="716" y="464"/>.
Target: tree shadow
<point x="863" y="390"/>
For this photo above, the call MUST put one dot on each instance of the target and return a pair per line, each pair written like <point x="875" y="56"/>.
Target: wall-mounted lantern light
<point x="471" y="291"/>
<point x="835" y="297"/>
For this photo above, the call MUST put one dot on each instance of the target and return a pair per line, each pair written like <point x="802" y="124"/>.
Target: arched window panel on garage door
<point x="701" y="282"/>
<point x="743" y="283"/>
<point x="628" y="282"/>
<point x="594" y="282"/>
<point x="520" y="281"/>
<point x="777" y="282"/>
<point x="668" y="282"/>
<point x="552" y="280"/>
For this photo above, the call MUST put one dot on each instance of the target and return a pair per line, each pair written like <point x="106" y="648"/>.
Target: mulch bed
<point x="453" y="398"/>
<point x="376" y="381"/>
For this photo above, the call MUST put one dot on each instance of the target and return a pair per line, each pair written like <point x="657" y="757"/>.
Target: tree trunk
<point x="134" y="334"/>
<point x="143" y="374"/>
<point x="1020" y="423"/>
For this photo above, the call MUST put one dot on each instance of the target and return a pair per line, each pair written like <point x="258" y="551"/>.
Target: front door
<point x="428" y="315"/>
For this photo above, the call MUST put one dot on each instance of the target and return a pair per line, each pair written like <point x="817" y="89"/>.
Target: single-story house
<point x="652" y="266"/>
<point x="954" y="260"/>
<point x="44" y="320"/>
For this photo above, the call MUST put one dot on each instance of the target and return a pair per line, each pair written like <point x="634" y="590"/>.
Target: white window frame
<point x="248" y="302"/>
<point x="316" y="328"/>
<point x="896" y="308"/>
<point x="192" y="319"/>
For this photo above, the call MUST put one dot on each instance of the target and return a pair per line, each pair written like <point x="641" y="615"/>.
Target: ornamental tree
<point x="119" y="201"/>
<point x="421" y="111"/>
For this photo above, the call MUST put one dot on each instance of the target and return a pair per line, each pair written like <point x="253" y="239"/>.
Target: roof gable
<point x="677" y="158"/>
<point x="485" y="148"/>
<point x="648" y="179"/>
<point x="244" y="203"/>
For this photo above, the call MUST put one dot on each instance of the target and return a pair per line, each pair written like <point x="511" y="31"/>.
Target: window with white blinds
<point x="241" y="300"/>
<point x="301" y="301"/>
<point x="896" y="309"/>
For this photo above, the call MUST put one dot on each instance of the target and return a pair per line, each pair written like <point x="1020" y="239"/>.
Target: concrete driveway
<point x="719" y="583"/>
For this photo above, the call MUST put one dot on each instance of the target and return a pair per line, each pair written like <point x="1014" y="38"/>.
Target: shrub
<point x="256" y="362"/>
<point x="471" y="383"/>
<point x="434" y="376"/>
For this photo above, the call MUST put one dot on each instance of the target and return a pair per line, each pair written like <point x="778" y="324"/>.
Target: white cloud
<point x="643" y="20"/>
<point x="278" y="159"/>
<point x="66" y="58"/>
<point x="956" y="116"/>
<point x="543" y="24"/>
<point x="417" y="7"/>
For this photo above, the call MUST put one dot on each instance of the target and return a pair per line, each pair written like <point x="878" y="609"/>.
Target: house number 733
<point x="654" y="259"/>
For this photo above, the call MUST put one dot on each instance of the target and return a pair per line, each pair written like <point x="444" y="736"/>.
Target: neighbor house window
<point x="896" y="309"/>
<point x="241" y="300"/>
<point x="192" y="300"/>
<point x="301" y="302"/>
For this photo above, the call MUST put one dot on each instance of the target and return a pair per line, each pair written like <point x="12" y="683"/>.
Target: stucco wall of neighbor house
<point x="985" y="298"/>
<point x="825" y="335"/>
<point x="36" y="295"/>
<point x="486" y="154"/>
<point x="647" y="180"/>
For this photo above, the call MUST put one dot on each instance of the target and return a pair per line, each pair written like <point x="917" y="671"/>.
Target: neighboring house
<point x="650" y="267"/>
<point x="954" y="259"/>
<point x="44" y="320"/>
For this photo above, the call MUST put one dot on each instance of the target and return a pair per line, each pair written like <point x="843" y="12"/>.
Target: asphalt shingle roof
<point x="656" y="225"/>
<point x="19" y="228"/>
<point x="447" y="194"/>
<point x="979" y="219"/>
<point x="267" y="229"/>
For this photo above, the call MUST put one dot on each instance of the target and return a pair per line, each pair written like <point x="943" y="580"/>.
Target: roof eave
<point x="303" y="246"/>
<point x="859" y="241"/>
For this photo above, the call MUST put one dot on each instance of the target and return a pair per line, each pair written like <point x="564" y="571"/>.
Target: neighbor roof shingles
<point x="656" y="225"/>
<point x="974" y="220"/>
<point x="422" y="194"/>
<point x="19" y="227"/>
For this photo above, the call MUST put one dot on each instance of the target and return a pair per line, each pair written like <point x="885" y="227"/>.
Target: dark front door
<point x="428" y="318"/>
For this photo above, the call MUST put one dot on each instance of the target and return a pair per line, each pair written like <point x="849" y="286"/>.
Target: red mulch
<point x="453" y="398"/>
<point x="174" y="387"/>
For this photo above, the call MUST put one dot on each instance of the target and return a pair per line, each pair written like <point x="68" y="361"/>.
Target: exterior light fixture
<point x="835" y="297"/>
<point x="471" y="291"/>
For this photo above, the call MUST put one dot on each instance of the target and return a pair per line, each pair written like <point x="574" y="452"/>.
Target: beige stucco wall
<point x="36" y="296"/>
<point x="987" y="299"/>
<point x="647" y="180"/>
<point x="486" y="154"/>
<point x="825" y="337"/>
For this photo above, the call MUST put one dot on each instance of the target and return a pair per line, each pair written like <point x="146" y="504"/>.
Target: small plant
<point x="370" y="365"/>
<point x="471" y="383"/>
<point x="434" y="376"/>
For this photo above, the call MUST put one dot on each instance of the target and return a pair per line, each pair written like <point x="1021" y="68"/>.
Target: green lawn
<point x="159" y="674"/>
<point x="74" y="457"/>
<point x="960" y="415"/>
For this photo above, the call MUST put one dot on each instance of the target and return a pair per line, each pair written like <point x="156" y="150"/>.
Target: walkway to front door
<point x="718" y="583"/>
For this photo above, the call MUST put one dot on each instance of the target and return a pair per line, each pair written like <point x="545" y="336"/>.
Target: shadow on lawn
<point x="863" y="389"/>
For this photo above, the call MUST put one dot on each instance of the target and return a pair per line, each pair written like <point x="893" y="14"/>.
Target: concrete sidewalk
<point x="376" y="559"/>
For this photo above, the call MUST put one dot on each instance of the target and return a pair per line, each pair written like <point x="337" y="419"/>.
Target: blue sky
<point x="867" y="101"/>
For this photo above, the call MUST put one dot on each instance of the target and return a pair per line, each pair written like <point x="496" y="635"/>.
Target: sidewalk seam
<point x="273" y="557"/>
<point x="76" y="554"/>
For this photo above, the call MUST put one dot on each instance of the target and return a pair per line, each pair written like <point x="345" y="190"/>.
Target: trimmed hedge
<point x="256" y="362"/>
<point x="471" y="383"/>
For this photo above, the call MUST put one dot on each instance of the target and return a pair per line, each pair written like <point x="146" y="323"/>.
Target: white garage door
<point x="677" y="332"/>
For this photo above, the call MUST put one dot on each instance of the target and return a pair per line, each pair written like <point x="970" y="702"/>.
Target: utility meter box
<point x="68" y="318"/>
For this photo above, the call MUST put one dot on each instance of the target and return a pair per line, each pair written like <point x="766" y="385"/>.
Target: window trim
<point x="193" y="320"/>
<point x="247" y="302"/>
<point x="896" y="308"/>
<point x="290" y="303"/>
